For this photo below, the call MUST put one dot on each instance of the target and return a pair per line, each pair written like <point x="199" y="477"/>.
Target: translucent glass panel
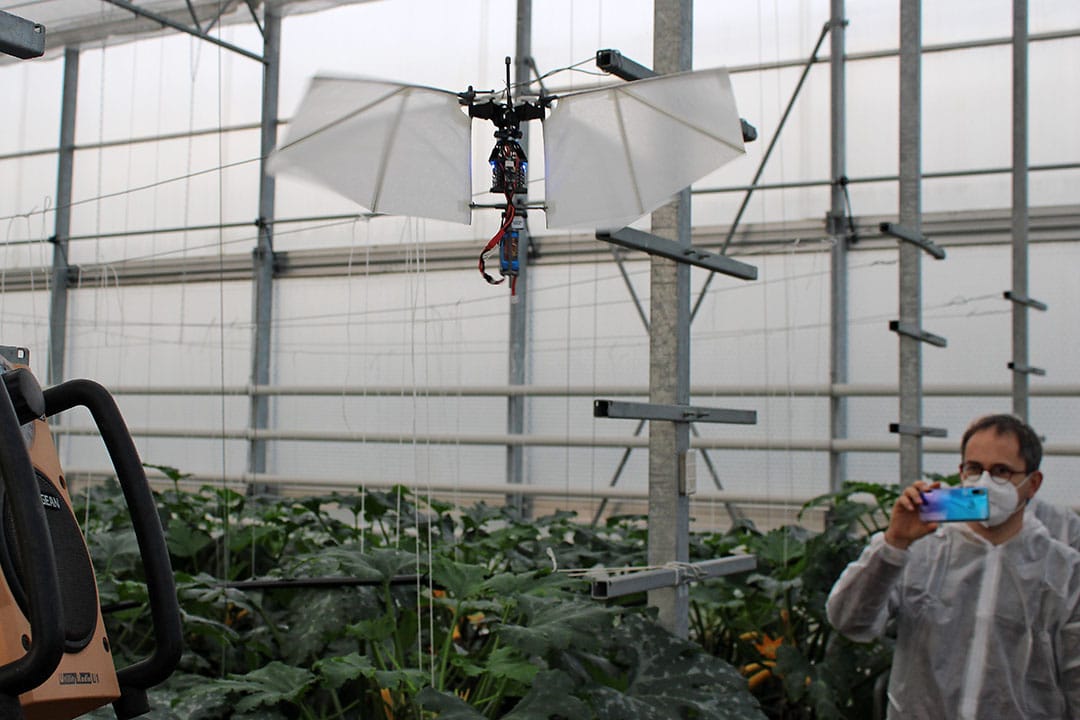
<point x="24" y="322"/>
<point x="32" y="92"/>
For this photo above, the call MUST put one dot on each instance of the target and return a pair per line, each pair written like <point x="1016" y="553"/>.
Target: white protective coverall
<point x="983" y="631"/>
<point x="1062" y="522"/>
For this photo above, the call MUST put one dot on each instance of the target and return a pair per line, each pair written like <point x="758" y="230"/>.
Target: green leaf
<point x="376" y="630"/>
<point x="669" y="673"/>
<point x="461" y="581"/>
<point x="795" y="669"/>
<point x="556" y="625"/>
<point x="610" y="704"/>
<point x="551" y="696"/>
<point x="271" y="684"/>
<point x="184" y="540"/>
<point x="408" y="679"/>
<point x="505" y="662"/>
<point x="168" y="471"/>
<point x="446" y="705"/>
<point x="206" y="699"/>
<point x="334" y="672"/>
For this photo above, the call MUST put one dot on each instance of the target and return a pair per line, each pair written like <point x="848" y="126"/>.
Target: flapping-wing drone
<point x="611" y="154"/>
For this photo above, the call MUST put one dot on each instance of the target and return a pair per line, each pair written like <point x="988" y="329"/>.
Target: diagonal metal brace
<point x="1024" y="300"/>
<point x="672" y="413"/>
<point x="907" y="235"/>
<point x="918" y="430"/>
<point x="908" y="330"/>
<point x="629" y="584"/>
<point x="1026" y="369"/>
<point x="655" y="245"/>
<point x="166" y="21"/>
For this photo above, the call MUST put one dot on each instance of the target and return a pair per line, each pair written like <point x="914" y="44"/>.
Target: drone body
<point x="611" y="154"/>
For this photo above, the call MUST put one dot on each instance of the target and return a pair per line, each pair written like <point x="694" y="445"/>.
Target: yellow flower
<point x="758" y="678"/>
<point x="388" y="703"/>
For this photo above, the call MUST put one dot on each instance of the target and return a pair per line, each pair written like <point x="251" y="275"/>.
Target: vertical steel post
<point x="263" y="255"/>
<point x="1020" y="208"/>
<point x="519" y="302"/>
<point x="58" y="293"/>
<point x="669" y="349"/>
<point x="838" y="274"/>
<point x="910" y="218"/>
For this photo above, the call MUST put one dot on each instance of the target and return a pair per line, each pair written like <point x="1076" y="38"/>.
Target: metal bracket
<point x="20" y="37"/>
<point x="907" y="235"/>
<point x="671" y="413"/>
<point x="670" y="576"/>
<point x="654" y="245"/>
<point x="1024" y="300"/>
<point x="913" y="332"/>
<point x="836" y="224"/>
<point x="918" y="430"/>
<point x="615" y="63"/>
<point x="1026" y="369"/>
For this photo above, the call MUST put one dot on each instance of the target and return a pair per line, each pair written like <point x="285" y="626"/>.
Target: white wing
<point x="392" y="148"/>
<point x="619" y="152"/>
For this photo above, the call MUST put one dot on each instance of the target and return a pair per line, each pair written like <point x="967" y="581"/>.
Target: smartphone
<point x="954" y="504"/>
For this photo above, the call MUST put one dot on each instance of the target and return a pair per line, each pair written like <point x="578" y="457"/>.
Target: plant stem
<point x="448" y="643"/>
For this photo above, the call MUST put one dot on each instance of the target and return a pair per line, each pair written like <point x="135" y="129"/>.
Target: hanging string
<point x="364" y="396"/>
<point x="149" y="400"/>
<point x="763" y="269"/>
<point x="227" y="522"/>
<point x="427" y="466"/>
<point x="789" y="398"/>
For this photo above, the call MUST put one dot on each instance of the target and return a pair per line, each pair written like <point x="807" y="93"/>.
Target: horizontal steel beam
<point x="617" y="64"/>
<point x="1024" y="300"/>
<point x="984" y="228"/>
<point x="909" y="236"/>
<point x="892" y="52"/>
<point x="913" y="332"/>
<point x="1026" y="369"/>
<point x="308" y="482"/>
<point x="421" y="439"/>
<point x="641" y="581"/>
<point x="917" y="430"/>
<point x="20" y="37"/>
<point x="655" y="245"/>
<point x="671" y="413"/>
<point x="422" y="391"/>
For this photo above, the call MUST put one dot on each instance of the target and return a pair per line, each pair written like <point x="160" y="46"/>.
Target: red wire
<point x="511" y="211"/>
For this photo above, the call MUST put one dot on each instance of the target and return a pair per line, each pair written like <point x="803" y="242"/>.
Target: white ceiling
<point x="83" y="22"/>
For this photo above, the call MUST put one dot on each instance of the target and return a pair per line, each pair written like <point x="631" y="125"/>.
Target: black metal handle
<point x="25" y="393"/>
<point x="161" y="588"/>
<point x="36" y="557"/>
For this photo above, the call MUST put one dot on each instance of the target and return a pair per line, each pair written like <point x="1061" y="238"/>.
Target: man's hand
<point x="905" y="526"/>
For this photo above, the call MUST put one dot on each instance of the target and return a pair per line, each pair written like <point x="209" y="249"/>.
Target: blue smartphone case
<point x="955" y="504"/>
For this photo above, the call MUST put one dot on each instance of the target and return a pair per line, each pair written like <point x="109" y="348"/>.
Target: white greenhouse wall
<point x="422" y="327"/>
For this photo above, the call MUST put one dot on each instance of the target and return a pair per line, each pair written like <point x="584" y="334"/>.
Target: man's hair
<point x="1030" y="446"/>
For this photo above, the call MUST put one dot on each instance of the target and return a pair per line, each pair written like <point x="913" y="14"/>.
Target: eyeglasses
<point x="999" y="473"/>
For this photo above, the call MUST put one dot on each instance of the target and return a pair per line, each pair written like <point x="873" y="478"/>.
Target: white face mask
<point x="1004" y="498"/>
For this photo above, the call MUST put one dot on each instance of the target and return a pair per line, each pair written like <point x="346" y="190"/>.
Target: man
<point x="987" y="613"/>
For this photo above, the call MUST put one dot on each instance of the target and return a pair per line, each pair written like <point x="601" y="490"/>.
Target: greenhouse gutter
<point x="503" y="439"/>
<point x="240" y="482"/>
<point x="743" y="390"/>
